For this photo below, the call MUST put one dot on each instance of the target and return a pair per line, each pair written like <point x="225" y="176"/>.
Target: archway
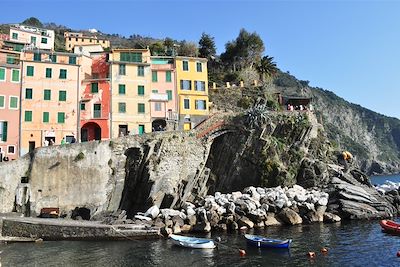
<point x="90" y="131"/>
<point x="158" y="125"/>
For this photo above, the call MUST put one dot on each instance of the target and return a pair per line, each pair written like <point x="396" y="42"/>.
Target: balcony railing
<point x="97" y="114"/>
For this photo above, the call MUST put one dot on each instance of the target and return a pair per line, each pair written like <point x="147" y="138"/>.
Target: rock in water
<point x="290" y="217"/>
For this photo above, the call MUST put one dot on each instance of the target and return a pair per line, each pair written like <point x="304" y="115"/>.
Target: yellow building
<point x="73" y="39"/>
<point x="130" y="91"/>
<point x="192" y="89"/>
<point x="49" y="97"/>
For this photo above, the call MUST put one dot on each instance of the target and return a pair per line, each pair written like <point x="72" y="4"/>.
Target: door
<point x="122" y="130"/>
<point x="97" y="133"/>
<point x="31" y="146"/>
<point x="141" y="129"/>
<point x="187" y="126"/>
<point x="84" y="135"/>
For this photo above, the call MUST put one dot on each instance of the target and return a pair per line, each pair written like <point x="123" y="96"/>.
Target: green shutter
<point x="47" y="94"/>
<point x="53" y="58"/>
<point x="62" y="96"/>
<point x="121" y="89"/>
<point x="1" y="101"/>
<point x="154" y="91"/>
<point x="141" y="108"/>
<point x="199" y="67"/>
<point x="140" y="90"/>
<point x="13" y="102"/>
<point x="48" y="72"/>
<point x="72" y="60"/>
<point x="28" y="93"/>
<point x="140" y="71"/>
<point x="30" y="70"/>
<point x="63" y="74"/>
<point x="60" y="117"/>
<point x="121" y="107"/>
<point x="28" y="115"/>
<point x="169" y="93"/>
<point x="4" y="138"/>
<point x="95" y="88"/>
<point x="15" y="75"/>
<point x="37" y="57"/>
<point x="154" y="76"/>
<point x="2" y="74"/>
<point x="46" y="117"/>
<point x="168" y="76"/>
<point x="185" y="65"/>
<point x="83" y="106"/>
<point x="44" y="40"/>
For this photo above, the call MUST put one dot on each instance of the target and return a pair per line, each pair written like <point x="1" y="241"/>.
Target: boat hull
<point x="390" y="227"/>
<point x="192" y="242"/>
<point x="262" y="242"/>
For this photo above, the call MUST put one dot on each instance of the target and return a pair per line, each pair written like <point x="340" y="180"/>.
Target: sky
<point x="349" y="47"/>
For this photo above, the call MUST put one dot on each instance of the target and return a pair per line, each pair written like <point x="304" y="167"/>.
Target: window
<point x="11" y="149"/>
<point x="37" y="57"/>
<point x="33" y="40"/>
<point x="121" y="89"/>
<point x="44" y="40"/>
<point x="48" y="72"/>
<point x="63" y="74"/>
<point x="186" y="85"/>
<point x="2" y="101"/>
<point x="154" y="91"/>
<point x="94" y="88"/>
<point x="13" y="102"/>
<point x="122" y="69"/>
<point x="15" y="36"/>
<point x="53" y="58"/>
<point x="169" y="93"/>
<point x="97" y="111"/>
<point x="199" y="85"/>
<point x="15" y="75"/>
<point x="140" y="71"/>
<point x="185" y="65"/>
<point x="168" y="76"/>
<point x="157" y="106"/>
<point x="3" y="131"/>
<point x="28" y="93"/>
<point x="130" y="57"/>
<point x="12" y="59"/>
<point x="2" y="74"/>
<point x="200" y="104"/>
<point x="154" y="76"/>
<point x="62" y="95"/>
<point x="47" y="94"/>
<point x="186" y="103"/>
<point x="199" y="67"/>
<point x="83" y="106"/>
<point x="140" y="89"/>
<point x="121" y="107"/>
<point x="46" y="117"/>
<point x="141" y="108"/>
<point x="60" y="117"/>
<point x="30" y="70"/>
<point x="72" y="60"/>
<point x="28" y="115"/>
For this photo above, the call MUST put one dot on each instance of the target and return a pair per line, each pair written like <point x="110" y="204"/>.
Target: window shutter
<point x="4" y="139"/>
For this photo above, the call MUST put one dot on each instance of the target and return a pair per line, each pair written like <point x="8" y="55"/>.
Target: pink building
<point x="9" y="104"/>
<point x="163" y="100"/>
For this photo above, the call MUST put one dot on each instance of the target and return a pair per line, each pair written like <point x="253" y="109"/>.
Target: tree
<point x="157" y="49"/>
<point x="188" y="49"/>
<point x="32" y="21"/>
<point x="169" y="45"/>
<point x="267" y="67"/>
<point x="207" y="47"/>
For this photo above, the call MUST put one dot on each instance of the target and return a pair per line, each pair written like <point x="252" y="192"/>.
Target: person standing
<point x="63" y="141"/>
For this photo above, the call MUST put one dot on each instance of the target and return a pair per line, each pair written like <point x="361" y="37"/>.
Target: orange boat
<point x="390" y="226"/>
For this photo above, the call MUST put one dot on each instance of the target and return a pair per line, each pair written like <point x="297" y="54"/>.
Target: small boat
<point x="192" y="242"/>
<point x="390" y="226"/>
<point x="263" y="242"/>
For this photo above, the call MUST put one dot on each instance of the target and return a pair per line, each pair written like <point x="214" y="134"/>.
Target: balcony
<point x="162" y="67"/>
<point x="159" y="97"/>
<point x="97" y="114"/>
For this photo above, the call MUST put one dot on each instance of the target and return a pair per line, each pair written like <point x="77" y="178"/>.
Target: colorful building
<point x="130" y="87"/>
<point x="73" y="39"/>
<point x="37" y="37"/>
<point x="50" y="95"/>
<point x="95" y="101"/>
<point x="163" y="97"/>
<point x="192" y="89"/>
<point x="9" y="104"/>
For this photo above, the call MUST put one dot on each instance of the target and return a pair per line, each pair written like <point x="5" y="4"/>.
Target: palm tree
<point x="267" y="67"/>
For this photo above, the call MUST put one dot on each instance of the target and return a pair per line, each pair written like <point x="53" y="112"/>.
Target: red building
<point x="95" y="101"/>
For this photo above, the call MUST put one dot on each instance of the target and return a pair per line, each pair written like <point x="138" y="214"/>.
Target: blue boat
<point x="263" y="242"/>
<point x="192" y="242"/>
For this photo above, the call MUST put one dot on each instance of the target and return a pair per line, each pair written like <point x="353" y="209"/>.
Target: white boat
<point x="192" y="242"/>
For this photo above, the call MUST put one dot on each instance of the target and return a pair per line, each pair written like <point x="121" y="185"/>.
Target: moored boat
<point x="192" y="242"/>
<point x="263" y="242"/>
<point x="390" y="226"/>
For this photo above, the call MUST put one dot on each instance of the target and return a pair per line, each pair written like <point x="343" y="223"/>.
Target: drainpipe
<point x="78" y="111"/>
<point x="20" y="108"/>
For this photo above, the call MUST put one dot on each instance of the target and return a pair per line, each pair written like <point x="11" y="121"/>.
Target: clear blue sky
<point x="349" y="47"/>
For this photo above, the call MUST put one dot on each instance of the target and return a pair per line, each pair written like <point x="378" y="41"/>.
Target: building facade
<point x="50" y="96"/>
<point x="95" y="101"/>
<point x="73" y="39"/>
<point x="192" y="90"/>
<point x="130" y="87"/>
<point x="163" y="97"/>
<point x="9" y="104"/>
<point x="37" y="37"/>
